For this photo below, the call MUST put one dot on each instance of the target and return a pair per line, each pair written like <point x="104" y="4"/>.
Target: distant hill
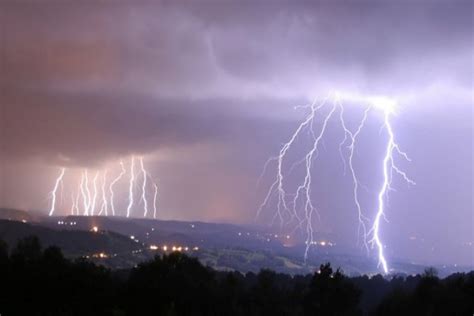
<point x="16" y="215"/>
<point x="73" y="243"/>
<point x="129" y="241"/>
<point x="175" y="232"/>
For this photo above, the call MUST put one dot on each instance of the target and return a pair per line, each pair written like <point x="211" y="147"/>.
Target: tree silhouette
<point x="36" y="282"/>
<point x="3" y="252"/>
<point x="331" y="294"/>
<point x="27" y="250"/>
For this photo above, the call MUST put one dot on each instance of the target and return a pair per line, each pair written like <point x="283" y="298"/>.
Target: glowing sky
<point x="206" y="90"/>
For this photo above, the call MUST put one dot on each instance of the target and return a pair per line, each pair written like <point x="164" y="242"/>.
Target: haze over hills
<point x="16" y="215"/>
<point x="123" y="242"/>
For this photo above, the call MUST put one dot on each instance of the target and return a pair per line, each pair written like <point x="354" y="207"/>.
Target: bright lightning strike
<point x="143" y="198"/>
<point x="301" y="208"/>
<point x="93" y="195"/>
<point x="55" y="189"/>
<point x="83" y="194"/>
<point x="86" y="194"/>
<point x="353" y="138"/>
<point x="73" y="204"/>
<point x="76" y="204"/>
<point x="132" y="182"/>
<point x="155" y="197"/>
<point x="277" y="185"/>
<point x="104" y="207"/>
<point x="388" y="167"/>
<point x="111" y="187"/>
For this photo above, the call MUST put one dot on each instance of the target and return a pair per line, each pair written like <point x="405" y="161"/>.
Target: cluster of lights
<point x="100" y="255"/>
<point x="173" y="248"/>
<point x="95" y="195"/>
<point x="322" y="243"/>
<point x="132" y="237"/>
<point x="248" y="234"/>
<point x="270" y="236"/>
<point x="67" y="223"/>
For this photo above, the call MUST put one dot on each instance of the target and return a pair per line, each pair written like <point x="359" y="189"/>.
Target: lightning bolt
<point x="362" y="227"/>
<point x="59" y="180"/>
<point x="132" y="182"/>
<point x="83" y="185"/>
<point x="277" y="186"/>
<point x="76" y="204"/>
<point x="88" y="192"/>
<point x="62" y="193"/>
<point x="305" y="187"/>
<point x="302" y="207"/>
<point x="73" y="204"/>
<point x="95" y="193"/>
<point x="104" y="207"/>
<point x="111" y="187"/>
<point x="388" y="168"/>
<point x="143" y="198"/>
<point x="92" y="195"/>
<point x="155" y="197"/>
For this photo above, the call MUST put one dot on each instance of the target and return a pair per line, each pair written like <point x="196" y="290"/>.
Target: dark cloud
<point x="80" y="129"/>
<point x="163" y="61"/>
<point x="252" y="49"/>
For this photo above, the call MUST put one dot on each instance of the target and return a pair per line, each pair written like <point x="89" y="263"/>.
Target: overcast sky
<point x="206" y="92"/>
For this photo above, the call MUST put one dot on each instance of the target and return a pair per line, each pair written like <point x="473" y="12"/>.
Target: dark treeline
<point x="37" y="282"/>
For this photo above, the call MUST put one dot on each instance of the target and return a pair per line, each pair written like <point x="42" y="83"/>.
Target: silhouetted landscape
<point x="65" y="269"/>
<point x="43" y="282"/>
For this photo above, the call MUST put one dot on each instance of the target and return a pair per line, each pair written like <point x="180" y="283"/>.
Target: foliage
<point x="42" y="282"/>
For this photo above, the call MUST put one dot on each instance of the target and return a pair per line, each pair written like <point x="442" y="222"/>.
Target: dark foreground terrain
<point x="42" y="282"/>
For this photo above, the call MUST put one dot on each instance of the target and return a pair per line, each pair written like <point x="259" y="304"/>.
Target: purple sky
<point x="206" y="91"/>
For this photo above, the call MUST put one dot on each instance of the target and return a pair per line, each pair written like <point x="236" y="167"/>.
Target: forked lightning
<point x="301" y="209"/>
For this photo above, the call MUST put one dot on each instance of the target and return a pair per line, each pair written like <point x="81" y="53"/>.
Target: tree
<point x="3" y="252"/>
<point x="27" y="250"/>
<point x="331" y="293"/>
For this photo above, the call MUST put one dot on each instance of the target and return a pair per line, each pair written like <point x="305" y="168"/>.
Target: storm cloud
<point x="88" y="62"/>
